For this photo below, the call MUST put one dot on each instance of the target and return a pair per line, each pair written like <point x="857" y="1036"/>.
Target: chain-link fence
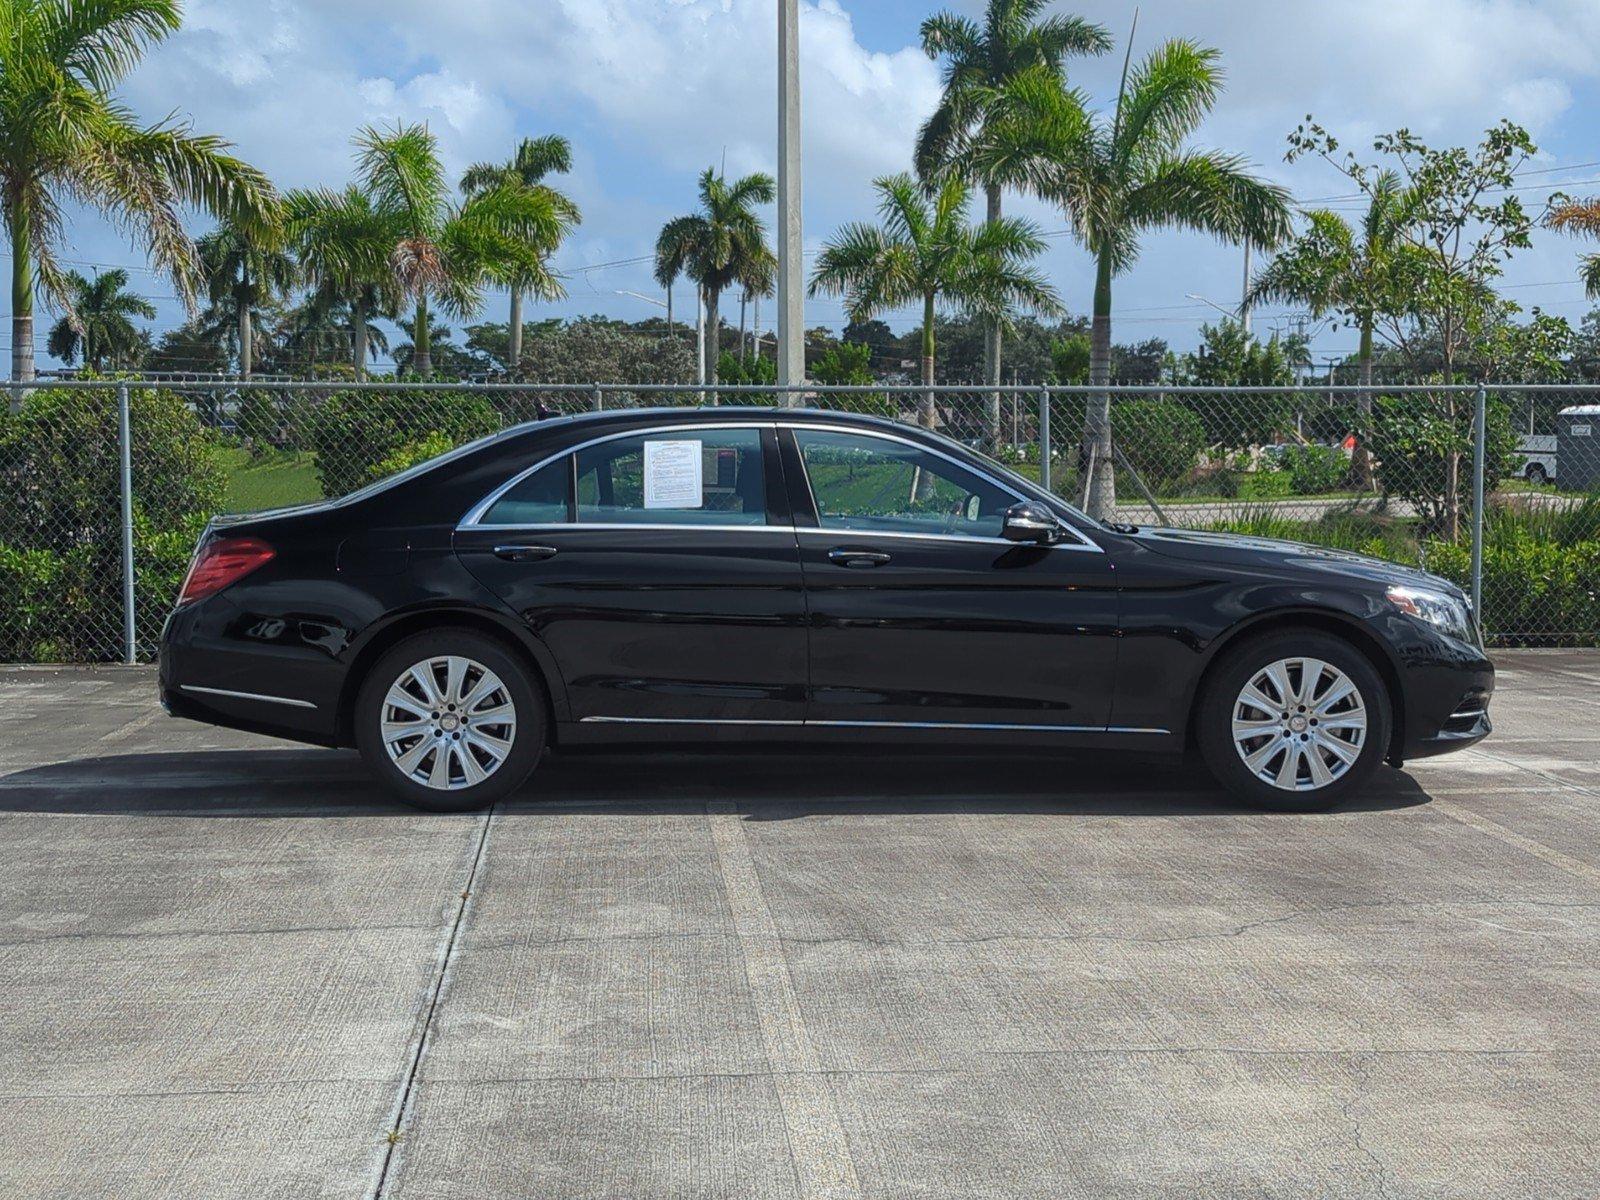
<point x="107" y="484"/>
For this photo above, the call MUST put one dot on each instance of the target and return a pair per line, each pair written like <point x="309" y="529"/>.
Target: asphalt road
<point x="228" y="970"/>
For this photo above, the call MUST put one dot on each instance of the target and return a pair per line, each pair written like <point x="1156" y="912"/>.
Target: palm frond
<point x="1576" y="216"/>
<point x="1213" y="193"/>
<point x="401" y="168"/>
<point x="100" y="41"/>
<point x="1166" y="98"/>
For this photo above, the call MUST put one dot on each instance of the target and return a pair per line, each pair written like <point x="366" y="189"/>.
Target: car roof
<point x="698" y="413"/>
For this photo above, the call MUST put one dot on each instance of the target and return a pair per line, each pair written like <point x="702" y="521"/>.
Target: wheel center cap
<point x="449" y="722"/>
<point x="1297" y="723"/>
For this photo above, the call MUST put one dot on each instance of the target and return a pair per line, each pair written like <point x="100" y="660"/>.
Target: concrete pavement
<point x="228" y="968"/>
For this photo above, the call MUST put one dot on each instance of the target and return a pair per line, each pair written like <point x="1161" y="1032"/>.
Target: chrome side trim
<point x="476" y="512"/>
<point x="678" y="721"/>
<point x="210" y="691"/>
<point x="964" y="725"/>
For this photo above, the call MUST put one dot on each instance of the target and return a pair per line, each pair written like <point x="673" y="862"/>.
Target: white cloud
<point x="653" y="91"/>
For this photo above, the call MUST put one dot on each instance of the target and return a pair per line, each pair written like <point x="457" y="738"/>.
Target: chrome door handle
<point x="846" y="557"/>
<point x="524" y="553"/>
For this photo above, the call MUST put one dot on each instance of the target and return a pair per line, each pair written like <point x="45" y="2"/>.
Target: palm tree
<point x="979" y="62"/>
<point x="1581" y="217"/>
<point x="926" y="251"/>
<point x="323" y="320"/>
<point x="1119" y="178"/>
<point x="343" y="241"/>
<point x="447" y="250"/>
<point x="723" y="244"/>
<point x="62" y="134"/>
<point x="1331" y="268"/>
<point x="535" y="158"/>
<point x="99" y="324"/>
<point x="245" y="269"/>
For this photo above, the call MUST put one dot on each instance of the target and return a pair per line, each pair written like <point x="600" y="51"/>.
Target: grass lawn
<point x="271" y="482"/>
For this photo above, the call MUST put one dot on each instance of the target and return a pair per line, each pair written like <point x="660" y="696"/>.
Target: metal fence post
<point x="1479" y="437"/>
<point x="599" y="398"/>
<point x="1044" y="438"/>
<point x="130" y="645"/>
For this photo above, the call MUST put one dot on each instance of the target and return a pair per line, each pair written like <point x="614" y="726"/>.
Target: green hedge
<point x="60" y="532"/>
<point x="352" y="433"/>
<point x="1161" y="438"/>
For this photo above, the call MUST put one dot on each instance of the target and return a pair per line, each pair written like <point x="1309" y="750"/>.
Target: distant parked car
<point x="755" y="575"/>
<point x="1536" y="457"/>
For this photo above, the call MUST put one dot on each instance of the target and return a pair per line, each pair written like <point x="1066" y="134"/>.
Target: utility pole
<point x="791" y="269"/>
<point x="1244" y="296"/>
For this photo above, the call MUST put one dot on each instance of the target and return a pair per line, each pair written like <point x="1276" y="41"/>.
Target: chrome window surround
<point x="1082" y="543"/>
<point x="475" y="515"/>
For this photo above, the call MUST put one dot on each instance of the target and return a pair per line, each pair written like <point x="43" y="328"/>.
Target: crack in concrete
<point x="166" y="934"/>
<point x="1365" y="1065"/>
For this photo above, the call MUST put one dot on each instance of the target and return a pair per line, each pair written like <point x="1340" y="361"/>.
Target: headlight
<point x="1445" y="613"/>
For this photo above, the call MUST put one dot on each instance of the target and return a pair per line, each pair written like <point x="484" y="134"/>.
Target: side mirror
<point x="1028" y="521"/>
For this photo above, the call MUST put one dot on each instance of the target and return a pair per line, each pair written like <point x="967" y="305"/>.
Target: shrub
<point x="60" y="523"/>
<point x="1268" y="483"/>
<point x="410" y="455"/>
<point x="1161" y="439"/>
<point x="1314" y="470"/>
<point x="353" y="433"/>
<point x="1415" y="437"/>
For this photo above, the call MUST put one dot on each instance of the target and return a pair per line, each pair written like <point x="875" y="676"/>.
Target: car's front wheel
<point x="450" y="721"/>
<point x="1296" y="721"/>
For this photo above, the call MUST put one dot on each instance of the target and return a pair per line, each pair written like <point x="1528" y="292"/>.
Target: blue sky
<point x="653" y="91"/>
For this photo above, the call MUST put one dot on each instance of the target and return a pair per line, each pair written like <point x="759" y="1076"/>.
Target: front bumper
<point x="1467" y="725"/>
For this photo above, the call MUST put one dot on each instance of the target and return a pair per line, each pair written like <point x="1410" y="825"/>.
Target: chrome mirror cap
<point x="1028" y="521"/>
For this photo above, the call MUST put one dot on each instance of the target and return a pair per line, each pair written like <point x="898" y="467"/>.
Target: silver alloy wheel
<point x="1299" y="724"/>
<point x="448" y="723"/>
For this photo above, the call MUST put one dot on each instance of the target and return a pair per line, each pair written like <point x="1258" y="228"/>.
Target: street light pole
<point x="791" y="270"/>
<point x="1244" y="299"/>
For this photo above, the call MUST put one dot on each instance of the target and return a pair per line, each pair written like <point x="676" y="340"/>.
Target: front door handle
<point x="845" y="557"/>
<point x="524" y="553"/>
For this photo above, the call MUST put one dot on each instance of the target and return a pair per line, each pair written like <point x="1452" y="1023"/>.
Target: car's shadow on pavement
<point x="762" y="786"/>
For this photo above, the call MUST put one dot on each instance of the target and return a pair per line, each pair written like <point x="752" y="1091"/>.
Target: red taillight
<point x="223" y="561"/>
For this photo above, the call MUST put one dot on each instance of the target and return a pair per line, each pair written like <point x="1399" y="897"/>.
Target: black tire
<point x="527" y="738"/>
<point x="1239" y="666"/>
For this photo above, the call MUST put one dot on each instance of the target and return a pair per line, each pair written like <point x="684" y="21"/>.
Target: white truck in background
<point x="1536" y="457"/>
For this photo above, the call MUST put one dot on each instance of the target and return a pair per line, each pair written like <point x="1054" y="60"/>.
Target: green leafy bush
<point x="353" y="433"/>
<point x="60" y="524"/>
<point x="1314" y="470"/>
<point x="1268" y="483"/>
<point x="410" y="455"/>
<point x="1162" y="439"/>
<point x="1414" y="439"/>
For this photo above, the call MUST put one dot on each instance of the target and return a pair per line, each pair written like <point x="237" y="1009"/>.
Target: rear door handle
<point x="524" y="553"/>
<point x="846" y="557"/>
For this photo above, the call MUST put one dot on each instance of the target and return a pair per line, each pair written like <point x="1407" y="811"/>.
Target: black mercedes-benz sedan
<point x="775" y="574"/>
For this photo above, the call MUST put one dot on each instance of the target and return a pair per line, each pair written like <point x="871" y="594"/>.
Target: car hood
<point x="1272" y="554"/>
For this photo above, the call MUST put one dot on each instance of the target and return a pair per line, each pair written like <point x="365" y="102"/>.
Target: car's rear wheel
<point x="1296" y="721"/>
<point x="450" y="721"/>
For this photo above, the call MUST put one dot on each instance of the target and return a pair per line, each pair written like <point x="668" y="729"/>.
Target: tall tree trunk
<point x="421" y="354"/>
<point x="992" y="336"/>
<point x="21" y="298"/>
<point x="1361" y="460"/>
<point x="358" y="333"/>
<point x="246" y="342"/>
<point x="514" y="331"/>
<point x="713" y="331"/>
<point x="929" y="414"/>
<point x="1097" y="454"/>
<point x="744" y="300"/>
<point x="669" y="311"/>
